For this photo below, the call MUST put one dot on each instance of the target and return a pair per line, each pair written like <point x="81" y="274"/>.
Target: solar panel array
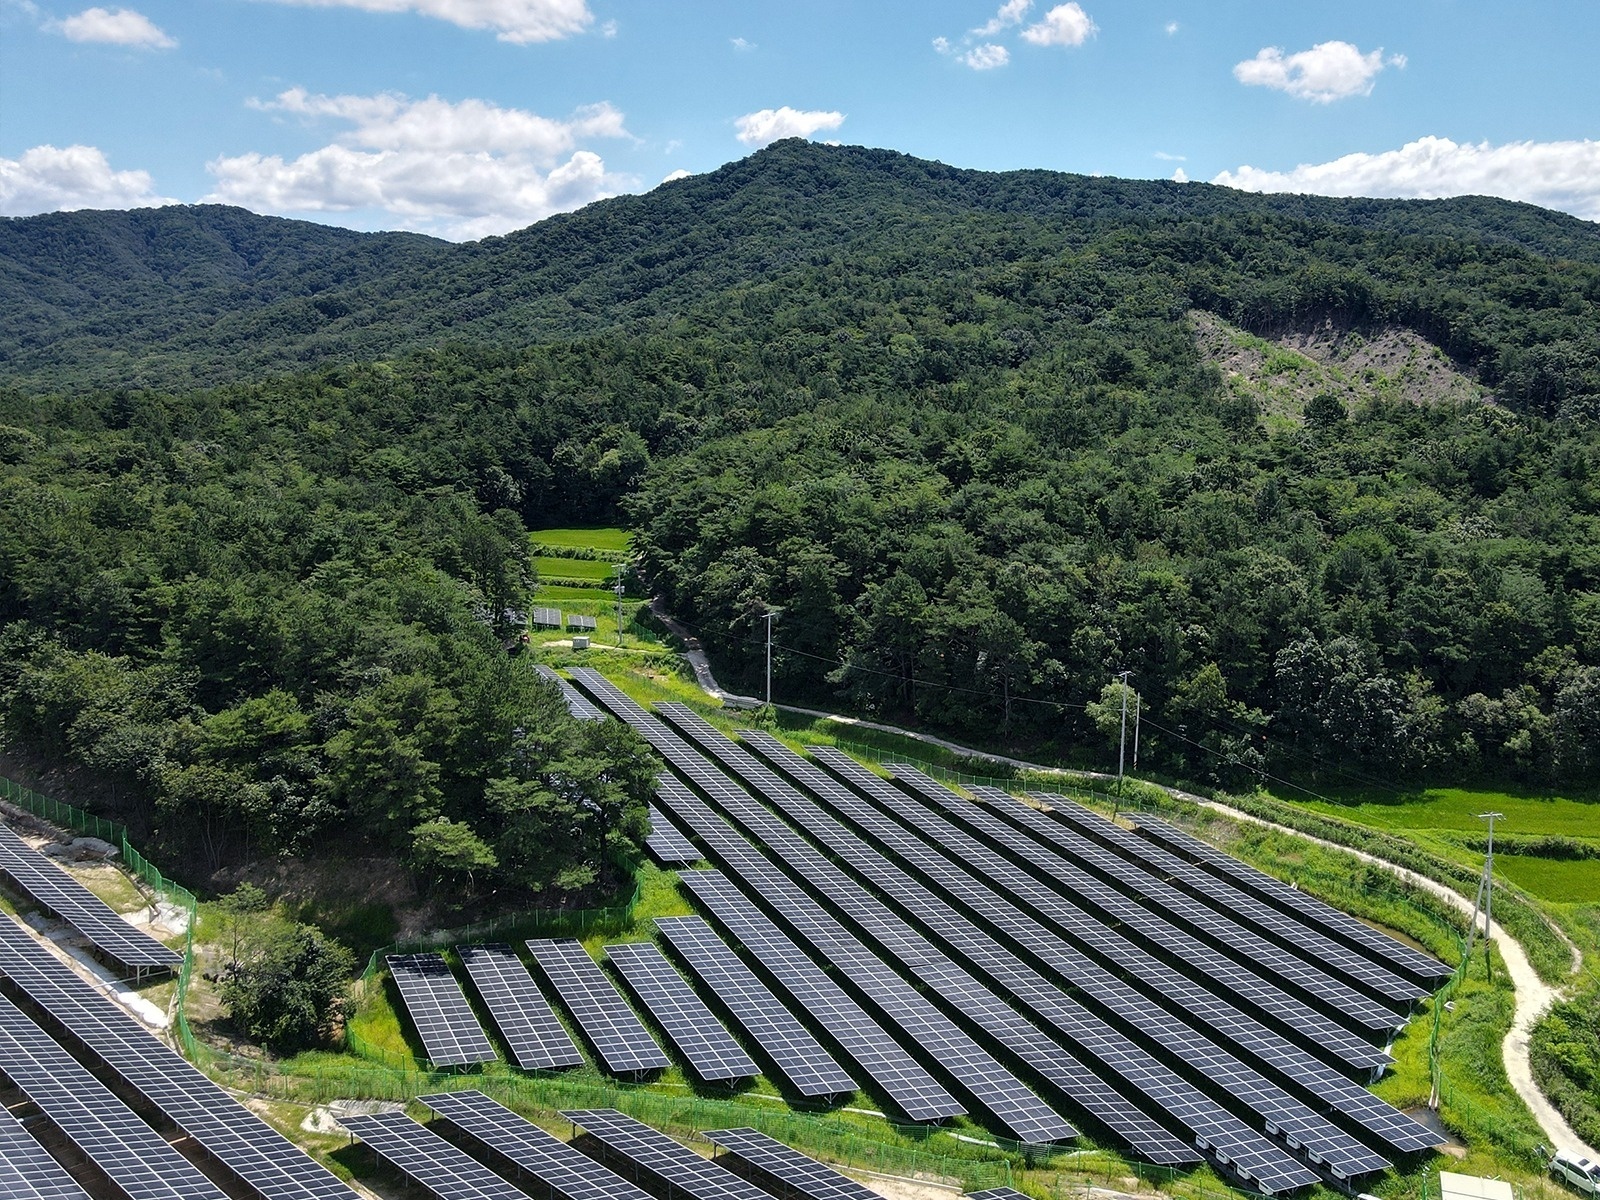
<point x="528" y="1025"/>
<point x="620" y="1040"/>
<point x="998" y="1193"/>
<point x="438" y="1008"/>
<point x="1242" y="1080"/>
<point x="577" y="703"/>
<point x="799" y="1173"/>
<point x="1124" y="1005"/>
<point x="798" y="1056"/>
<point x="86" y="1112"/>
<point x="429" y="1161"/>
<point x="1341" y="925"/>
<point x="546" y="618"/>
<point x="1295" y="1121"/>
<point x="650" y="1150"/>
<point x="579" y="621"/>
<point x="563" y="1168"/>
<point x="1148" y="920"/>
<point x="683" y="1016"/>
<point x="246" y="1145"/>
<point x="54" y="888"/>
<point x="1221" y="896"/>
<point x="27" y="1172"/>
<point x="666" y="842"/>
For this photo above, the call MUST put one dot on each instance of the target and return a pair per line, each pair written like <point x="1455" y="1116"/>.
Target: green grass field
<point x="597" y="537"/>
<point x="1564" y="881"/>
<point x="1458" y="809"/>
<point x="576" y="568"/>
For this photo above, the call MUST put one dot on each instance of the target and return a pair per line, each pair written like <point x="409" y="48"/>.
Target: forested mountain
<point x="971" y="432"/>
<point x="182" y="296"/>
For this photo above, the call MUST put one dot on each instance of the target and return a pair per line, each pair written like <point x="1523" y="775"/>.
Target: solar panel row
<point x="563" y="1168"/>
<point x="683" y="1016"/>
<point x="619" y="1038"/>
<point x="86" y="1112"/>
<point x="27" y="1172"/>
<point x="1340" y="925"/>
<point x="1149" y="924"/>
<point x="965" y="995"/>
<point x="54" y="888"/>
<point x="798" y="1173"/>
<point x="1241" y="1084"/>
<point x="810" y="1069"/>
<point x="243" y="1143"/>
<point x="429" y="1161"/>
<point x="577" y="703"/>
<point x="527" y="1024"/>
<point x="681" y="1168"/>
<point x="438" y="1008"/>
<point x="1280" y="926"/>
<point x="666" y="842"/>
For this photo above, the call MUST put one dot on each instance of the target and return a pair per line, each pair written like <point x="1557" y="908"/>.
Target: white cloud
<point x="462" y="170"/>
<point x="942" y="45"/>
<point x="773" y="124"/>
<point x="680" y="173"/>
<point x="113" y="27"/>
<point x="1171" y="27"/>
<point x="986" y="57"/>
<point x="50" y="179"/>
<point x="1559" y="175"/>
<point x="1180" y="176"/>
<point x="1165" y="157"/>
<point x="1010" y="13"/>
<point x="1327" y="72"/>
<point x="1063" y="25"/>
<point x="520" y="21"/>
<point x="741" y="44"/>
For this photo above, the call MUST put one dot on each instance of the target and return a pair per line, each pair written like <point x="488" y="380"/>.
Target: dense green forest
<point x="956" y="425"/>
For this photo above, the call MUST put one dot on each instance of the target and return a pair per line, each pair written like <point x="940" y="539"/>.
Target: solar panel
<point x="577" y="703"/>
<point x="54" y="888"/>
<point x="546" y="618"/>
<point x="799" y="1173"/>
<point x="438" y="1008"/>
<point x="667" y="844"/>
<point x="1229" y="1141"/>
<point x="429" y="1161"/>
<point x="1216" y="892"/>
<point x="527" y="1024"/>
<point x="27" y="1172"/>
<point x="241" y="1141"/>
<point x="798" y="1055"/>
<point x="998" y="1193"/>
<point x="563" y="1168"/>
<point x="579" y="621"/>
<point x="1242" y="1083"/>
<point x="86" y="1112"/>
<point x="699" y="1036"/>
<point x="620" y="1040"/>
<point x="650" y="1150"/>
<point x="1154" y="922"/>
<point x="1340" y="925"/>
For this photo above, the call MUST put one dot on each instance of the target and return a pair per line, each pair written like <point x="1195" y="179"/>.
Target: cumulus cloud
<point x="113" y="27"/>
<point x="51" y="178"/>
<point x="1063" y="25"/>
<point x="1559" y="175"/>
<point x="680" y="173"/>
<point x="1009" y="14"/>
<point x="464" y="170"/>
<point x="986" y="57"/>
<point x="1171" y="27"/>
<point x="1327" y="72"/>
<point x="773" y="124"/>
<point x="520" y="21"/>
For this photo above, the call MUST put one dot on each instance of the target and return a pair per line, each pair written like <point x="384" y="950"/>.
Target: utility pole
<point x="1122" y="741"/>
<point x="618" y="588"/>
<point x="1138" y="706"/>
<point x="769" y="614"/>
<point x="1485" y="899"/>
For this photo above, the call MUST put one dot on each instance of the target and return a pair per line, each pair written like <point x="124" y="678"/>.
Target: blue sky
<point x="470" y="117"/>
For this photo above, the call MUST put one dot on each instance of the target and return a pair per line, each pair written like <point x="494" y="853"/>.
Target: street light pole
<point x="770" y="613"/>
